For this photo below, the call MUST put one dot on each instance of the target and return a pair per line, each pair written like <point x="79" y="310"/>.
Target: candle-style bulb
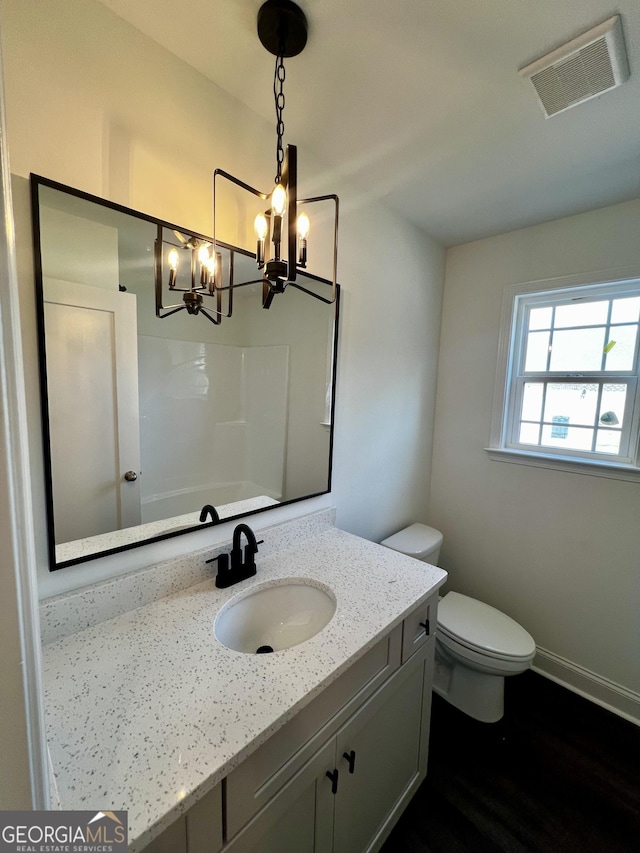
<point x="172" y="261"/>
<point x="203" y="258"/>
<point x="278" y="200"/>
<point x="260" y="226"/>
<point x="303" y="226"/>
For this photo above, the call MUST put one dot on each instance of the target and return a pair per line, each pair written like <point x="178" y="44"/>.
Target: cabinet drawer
<point x="419" y="626"/>
<point x="251" y="785"/>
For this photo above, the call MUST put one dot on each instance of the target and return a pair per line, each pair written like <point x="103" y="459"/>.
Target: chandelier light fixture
<point x="192" y="270"/>
<point x="281" y="231"/>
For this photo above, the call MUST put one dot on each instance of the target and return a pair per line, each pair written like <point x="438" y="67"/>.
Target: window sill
<point x="610" y="470"/>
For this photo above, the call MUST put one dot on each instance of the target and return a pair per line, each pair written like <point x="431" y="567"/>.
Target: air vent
<point x="585" y="67"/>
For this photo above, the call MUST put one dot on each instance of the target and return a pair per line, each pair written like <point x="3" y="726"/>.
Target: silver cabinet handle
<point x="130" y="476"/>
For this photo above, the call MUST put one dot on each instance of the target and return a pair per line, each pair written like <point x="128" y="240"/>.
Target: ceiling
<point x="419" y="103"/>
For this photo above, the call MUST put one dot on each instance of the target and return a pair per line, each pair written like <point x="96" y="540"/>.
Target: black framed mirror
<point x="148" y="419"/>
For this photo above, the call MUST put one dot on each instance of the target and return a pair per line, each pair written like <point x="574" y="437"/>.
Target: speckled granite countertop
<point x="147" y="711"/>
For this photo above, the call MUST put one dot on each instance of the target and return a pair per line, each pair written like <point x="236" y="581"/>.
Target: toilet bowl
<point x="476" y="644"/>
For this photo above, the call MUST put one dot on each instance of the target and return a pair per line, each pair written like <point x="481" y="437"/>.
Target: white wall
<point x="88" y="101"/>
<point x="75" y="249"/>
<point x="15" y="790"/>
<point x="23" y="784"/>
<point x="560" y="552"/>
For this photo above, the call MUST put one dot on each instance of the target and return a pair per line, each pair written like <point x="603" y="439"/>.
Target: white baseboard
<point x="608" y="694"/>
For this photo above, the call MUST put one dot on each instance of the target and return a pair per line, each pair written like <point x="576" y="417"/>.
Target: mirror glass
<point x="147" y="420"/>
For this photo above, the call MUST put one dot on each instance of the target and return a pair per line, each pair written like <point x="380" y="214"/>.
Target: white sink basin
<point x="274" y="615"/>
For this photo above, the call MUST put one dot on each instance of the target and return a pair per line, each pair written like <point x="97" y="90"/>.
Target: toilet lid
<point x="480" y="626"/>
<point x="417" y="540"/>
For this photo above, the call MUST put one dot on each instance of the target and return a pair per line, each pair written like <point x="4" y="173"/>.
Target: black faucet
<point x="247" y="565"/>
<point x="207" y="510"/>
<point x="240" y="568"/>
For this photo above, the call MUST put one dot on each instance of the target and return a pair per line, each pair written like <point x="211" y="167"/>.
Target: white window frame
<point x="508" y="388"/>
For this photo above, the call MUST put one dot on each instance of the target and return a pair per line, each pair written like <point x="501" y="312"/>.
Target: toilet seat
<point x="482" y="629"/>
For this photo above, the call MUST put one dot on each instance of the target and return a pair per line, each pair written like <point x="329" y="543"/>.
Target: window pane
<point x="537" y="351"/>
<point x="540" y="318"/>
<point x="626" y="310"/>
<point x="573" y="378"/>
<point x="532" y="401"/>
<point x="621" y="356"/>
<point x="577" y="350"/>
<point x="576" y="402"/>
<point x="612" y="405"/>
<point x="529" y="433"/>
<point x="576" y="438"/>
<point x="608" y="441"/>
<point x="581" y="314"/>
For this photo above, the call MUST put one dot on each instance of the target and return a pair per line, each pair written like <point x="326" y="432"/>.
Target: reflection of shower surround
<point x="212" y="423"/>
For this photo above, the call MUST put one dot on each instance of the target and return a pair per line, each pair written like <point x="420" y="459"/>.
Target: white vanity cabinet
<point x="228" y="753"/>
<point x="382" y="743"/>
<point x="337" y="776"/>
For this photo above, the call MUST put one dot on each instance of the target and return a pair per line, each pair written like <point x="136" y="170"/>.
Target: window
<point x="569" y="389"/>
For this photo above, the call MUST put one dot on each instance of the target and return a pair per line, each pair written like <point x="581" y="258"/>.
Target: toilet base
<point x="478" y="694"/>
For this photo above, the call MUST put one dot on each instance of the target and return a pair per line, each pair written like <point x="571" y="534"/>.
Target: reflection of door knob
<point x="131" y="476"/>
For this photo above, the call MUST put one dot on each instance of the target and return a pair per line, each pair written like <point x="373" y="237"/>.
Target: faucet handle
<point x="224" y="578"/>
<point x="221" y="558"/>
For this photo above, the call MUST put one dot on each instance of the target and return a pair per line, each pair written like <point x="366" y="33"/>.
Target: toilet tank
<point x="419" y="541"/>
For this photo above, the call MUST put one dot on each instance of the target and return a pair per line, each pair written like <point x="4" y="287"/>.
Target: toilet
<point x="476" y="645"/>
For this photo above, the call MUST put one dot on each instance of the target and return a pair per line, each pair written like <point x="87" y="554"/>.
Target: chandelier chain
<point x="278" y="94"/>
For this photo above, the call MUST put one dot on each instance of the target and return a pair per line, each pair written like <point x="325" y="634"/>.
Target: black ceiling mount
<point x="282" y="27"/>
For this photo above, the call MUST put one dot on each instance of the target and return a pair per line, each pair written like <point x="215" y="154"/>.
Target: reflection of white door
<point x="92" y="376"/>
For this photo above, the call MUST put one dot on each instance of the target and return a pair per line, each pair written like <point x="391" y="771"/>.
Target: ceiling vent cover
<point x="585" y="67"/>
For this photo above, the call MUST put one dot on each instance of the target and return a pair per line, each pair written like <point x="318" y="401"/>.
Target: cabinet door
<point x="204" y="823"/>
<point x="172" y="840"/>
<point x="259" y="778"/>
<point x="378" y="758"/>
<point x="299" y="818"/>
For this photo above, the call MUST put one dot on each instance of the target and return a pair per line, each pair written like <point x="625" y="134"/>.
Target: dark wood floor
<point x="560" y="774"/>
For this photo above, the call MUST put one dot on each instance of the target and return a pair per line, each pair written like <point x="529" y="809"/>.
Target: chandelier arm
<point x="334" y="198"/>
<point x="263" y="196"/>
<point x="331" y="197"/>
<point x="201" y="288"/>
<point x="239" y="183"/>
<point x="170" y="309"/>
<point x="311" y="293"/>
<point x="215" y="320"/>
<point x="242" y="284"/>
